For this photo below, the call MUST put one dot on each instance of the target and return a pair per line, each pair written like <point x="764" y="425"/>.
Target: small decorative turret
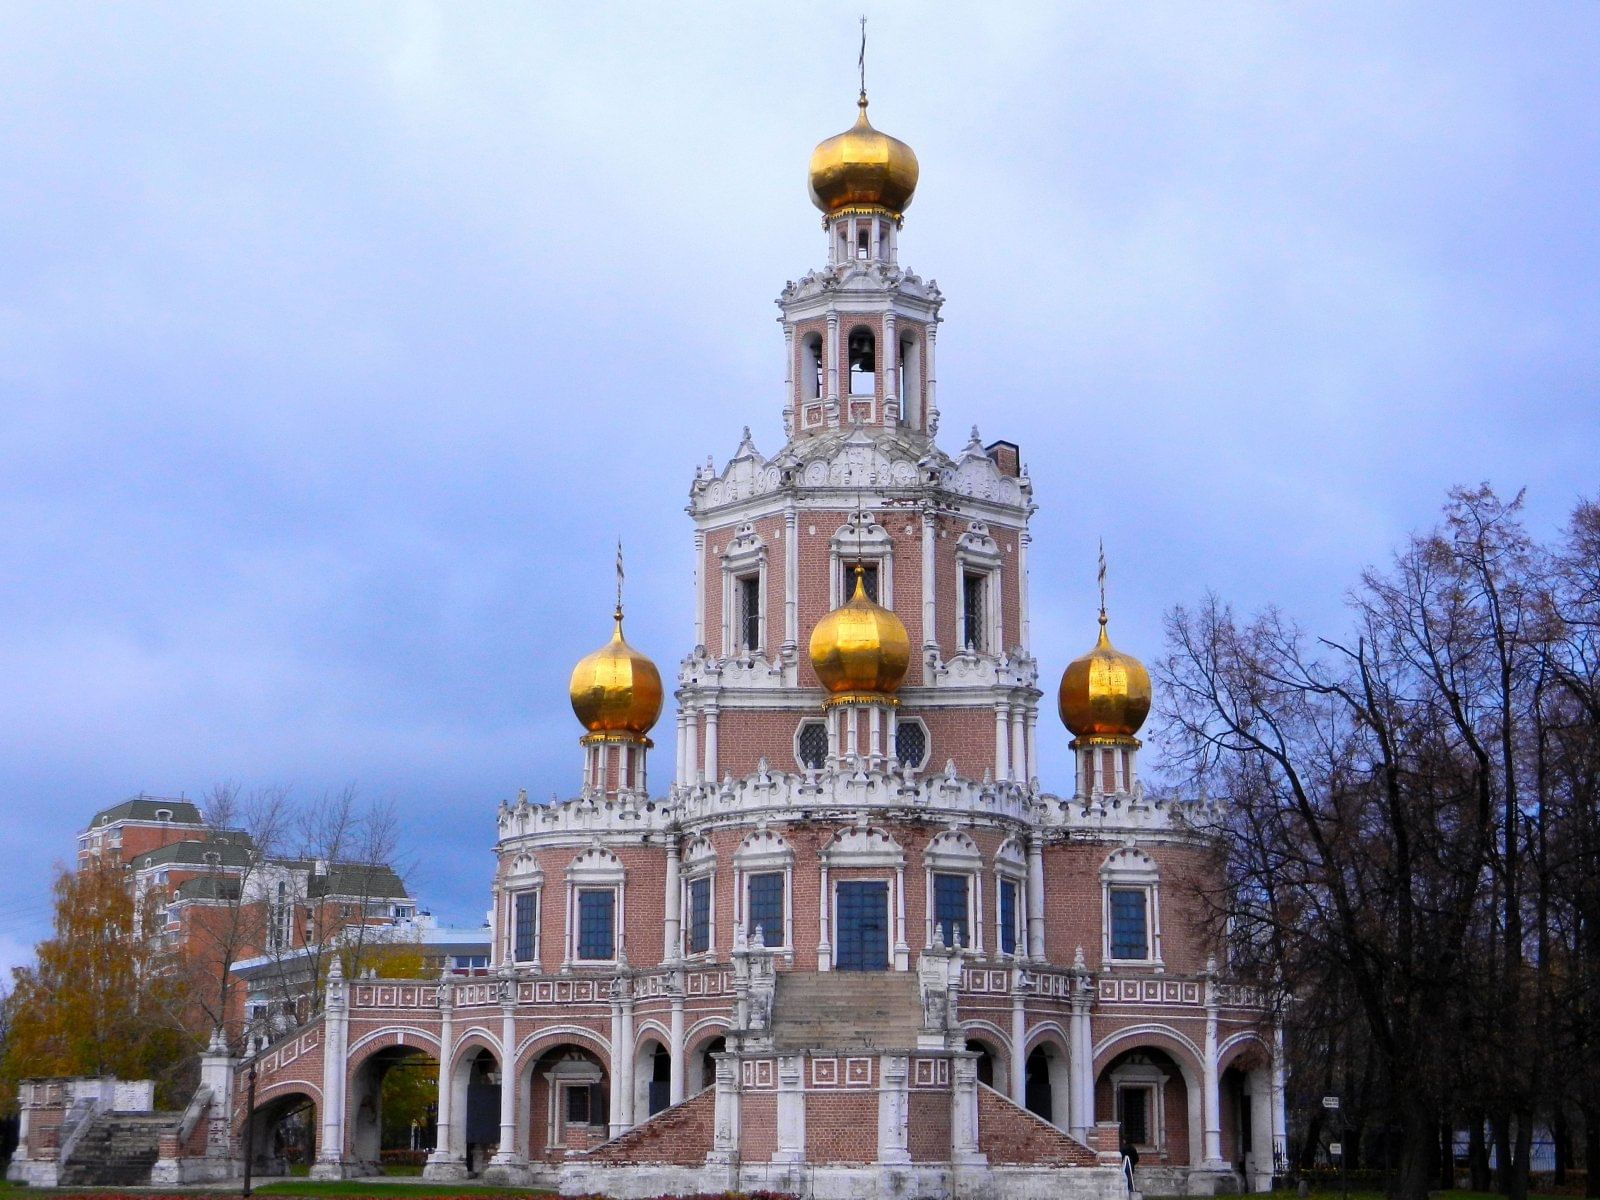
<point x="616" y="693"/>
<point x="1104" y="699"/>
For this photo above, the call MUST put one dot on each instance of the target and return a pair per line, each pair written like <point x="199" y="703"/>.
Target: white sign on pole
<point x="1336" y="1149"/>
<point x="1330" y="1102"/>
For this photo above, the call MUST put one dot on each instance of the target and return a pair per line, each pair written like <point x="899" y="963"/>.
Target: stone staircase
<point x="117" y="1150"/>
<point x="846" y="1010"/>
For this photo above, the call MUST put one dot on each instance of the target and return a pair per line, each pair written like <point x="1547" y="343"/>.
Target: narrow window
<point x="864" y="241"/>
<point x="1133" y="1111"/>
<point x="596" y="923"/>
<point x="811" y="368"/>
<point x="578" y="1104"/>
<point x="950" y="908"/>
<point x="1128" y="934"/>
<point x="750" y="612"/>
<point x="1008" y="916"/>
<point x="863" y="362"/>
<point x="699" y="916"/>
<point x="812" y="745"/>
<point x="764" y="907"/>
<point x="522" y="928"/>
<point x="869" y="581"/>
<point x="972" y="588"/>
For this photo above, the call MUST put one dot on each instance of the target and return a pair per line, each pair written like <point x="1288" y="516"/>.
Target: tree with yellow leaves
<point x="100" y="999"/>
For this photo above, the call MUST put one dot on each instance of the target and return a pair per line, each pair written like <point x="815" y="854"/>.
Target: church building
<point x="851" y="944"/>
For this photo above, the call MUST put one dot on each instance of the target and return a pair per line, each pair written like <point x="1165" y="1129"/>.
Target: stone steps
<point x="117" y="1150"/>
<point x="846" y="1010"/>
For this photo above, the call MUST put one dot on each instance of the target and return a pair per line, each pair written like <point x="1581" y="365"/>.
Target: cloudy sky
<point x="338" y="343"/>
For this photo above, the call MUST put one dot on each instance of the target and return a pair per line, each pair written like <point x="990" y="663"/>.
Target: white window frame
<point x="596" y="869"/>
<point x="1148" y="1078"/>
<point x="927" y="742"/>
<point x="954" y="853"/>
<point x="764" y="852"/>
<point x="977" y="553"/>
<point x="745" y="556"/>
<point x="699" y="864"/>
<point x="863" y="847"/>
<point x="523" y="877"/>
<point x="861" y="538"/>
<point x="799" y="762"/>
<point x="1011" y="866"/>
<point x="1130" y="869"/>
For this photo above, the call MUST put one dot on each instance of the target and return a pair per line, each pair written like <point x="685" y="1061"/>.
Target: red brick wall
<point x="841" y="1126"/>
<point x="928" y="1138"/>
<point x="681" y="1135"/>
<point x="1009" y="1134"/>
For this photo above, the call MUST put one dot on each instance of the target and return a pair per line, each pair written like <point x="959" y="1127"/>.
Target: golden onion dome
<point x="616" y="689"/>
<point x="862" y="168"/>
<point x="860" y="647"/>
<point x="1104" y="693"/>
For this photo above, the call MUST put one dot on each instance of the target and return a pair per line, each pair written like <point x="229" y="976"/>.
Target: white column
<point x="335" y="1032"/>
<point x="874" y="717"/>
<point x="929" y="612"/>
<point x="675" y="1050"/>
<point x="671" y="941"/>
<point x="442" y="1148"/>
<point x="680" y="762"/>
<point x="1211" y="1100"/>
<point x="699" y="587"/>
<point x="835" y="747"/>
<point x="691" y="756"/>
<point x="790" y="401"/>
<point x="711" y="744"/>
<point x="932" y="384"/>
<point x="791" y="579"/>
<point x="889" y="354"/>
<point x="1035" y="898"/>
<point x="964" y="1110"/>
<point x="894" y="1108"/>
<point x="833" y="369"/>
<point x="1002" y="742"/>
<point x="1019" y="1039"/>
<point x="1024" y="631"/>
<point x="1280" y="1114"/>
<point x="725" y="1139"/>
<point x="617" y="1052"/>
<point x="622" y="1059"/>
<point x="791" y="1110"/>
<point x="507" y="1155"/>
<point x="1019" y="747"/>
<point x="1083" y="1115"/>
<point x="824" y="922"/>
<point x="902" y="952"/>
<point x="891" y="733"/>
<point x="852" y="742"/>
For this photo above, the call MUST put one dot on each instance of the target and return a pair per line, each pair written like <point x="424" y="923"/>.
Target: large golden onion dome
<point x="616" y="689"/>
<point x="860" y="648"/>
<point x="862" y="168"/>
<point x="1104" y="693"/>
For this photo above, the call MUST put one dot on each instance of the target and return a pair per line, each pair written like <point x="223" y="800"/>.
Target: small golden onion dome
<point x="860" y="647"/>
<point x="1104" y="693"/>
<point x="616" y="689"/>
<point x="862" y="168"/>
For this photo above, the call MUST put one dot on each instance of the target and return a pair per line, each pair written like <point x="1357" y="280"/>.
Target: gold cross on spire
<point x="1102" y="581"/>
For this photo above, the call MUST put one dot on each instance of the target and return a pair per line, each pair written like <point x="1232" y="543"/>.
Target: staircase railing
<point x="76" y="1123"/>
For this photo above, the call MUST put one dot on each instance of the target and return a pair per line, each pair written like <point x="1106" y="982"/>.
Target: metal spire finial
<point x="1102" y="582"/>
<point x="861" y="62"/>
<point x="618" y="613"/>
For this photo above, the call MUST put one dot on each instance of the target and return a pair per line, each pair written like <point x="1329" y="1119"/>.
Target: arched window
<point x="863" y="362"/>
<point x="811" y="367"/>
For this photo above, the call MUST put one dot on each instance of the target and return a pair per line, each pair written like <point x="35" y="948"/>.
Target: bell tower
<point x="860" y="332"/>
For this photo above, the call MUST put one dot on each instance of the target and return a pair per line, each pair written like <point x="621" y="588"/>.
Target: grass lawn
<point x="350" y="1187"/>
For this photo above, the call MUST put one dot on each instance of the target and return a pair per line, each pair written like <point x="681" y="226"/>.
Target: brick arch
<point x="384" y="1039"/>
<point x="286" y="1087"/>
<point x="536" y="1045"/>
<point x="1241" y="1046"/>
<point x="703" y="1031"/>
<point x="651" y="1031"/>
<point x="1180" y="1049"/>
<point x="1047" y="1031"/>
<point x="469" y="1044"/>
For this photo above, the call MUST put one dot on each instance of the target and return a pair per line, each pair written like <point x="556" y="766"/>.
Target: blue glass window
<point x="1008" y="916"/>
<point x="597" y="910"/>
<point x="522" y="928"/>
<point x="699" y="916"/>
<point x="863" y="926"/>
<point x="950" y="908"/>
<point x="1129" y="936"/>
<point x="764" y="909"/>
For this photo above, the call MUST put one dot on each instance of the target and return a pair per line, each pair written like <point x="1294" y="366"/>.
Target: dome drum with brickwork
<point x="862" y="168"/>
<point x="860" y="650"/>
<point x="1104" y="693"/>
<point x="616" y="690"/>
